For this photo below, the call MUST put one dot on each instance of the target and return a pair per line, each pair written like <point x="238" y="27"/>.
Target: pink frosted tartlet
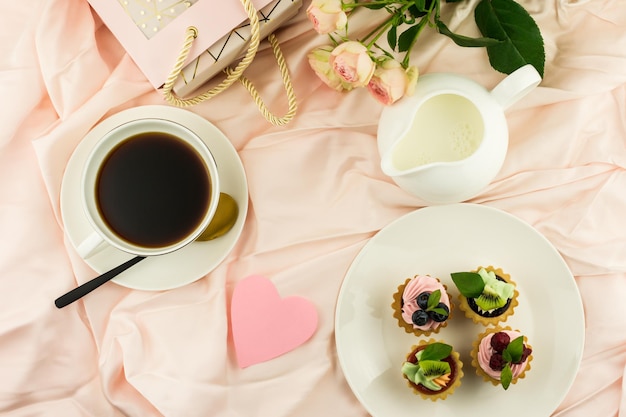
<point x="501" y="356"/>
<point x="422" y="305"/>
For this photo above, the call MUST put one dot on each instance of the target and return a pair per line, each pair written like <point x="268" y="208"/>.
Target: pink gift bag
<point x="164" y="37"/>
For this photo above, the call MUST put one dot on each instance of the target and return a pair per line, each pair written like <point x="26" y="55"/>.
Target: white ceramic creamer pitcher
<point x="446" y="142"/>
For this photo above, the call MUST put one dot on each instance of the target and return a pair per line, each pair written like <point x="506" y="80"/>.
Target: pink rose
<point x="327" y="15"/>
<point x="391" y="82"/>
<point x="352" y="63"/>
<point x="319" y="62"/>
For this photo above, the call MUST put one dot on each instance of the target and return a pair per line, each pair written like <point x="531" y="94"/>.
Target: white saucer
<point x="187" y="264"/>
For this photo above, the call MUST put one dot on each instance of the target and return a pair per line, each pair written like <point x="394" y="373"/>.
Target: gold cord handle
<point x="235" y="74"/>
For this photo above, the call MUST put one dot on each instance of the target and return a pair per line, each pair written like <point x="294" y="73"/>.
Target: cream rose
<point x="327" y="15"/>
<point x="352" y="63"/>
<point x="391" y="82"/>
<point x="319" y="62"/>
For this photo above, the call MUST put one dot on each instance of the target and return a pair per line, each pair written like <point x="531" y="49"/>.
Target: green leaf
<point x="515" y="349"/>
<point x="466" y="41"/>
<point x="470" y="284"/>
<point x="406" y="38"/>
<point x="522" y="42"/>
<point x="506" y="376"/>
<point x="436" y="352"/>
<point x="392" y="37"/>
<point x="433" y="300"/>
<point x="415" y="11"/>
<point x="420" y="5"/>
<point x="439" y="310"/>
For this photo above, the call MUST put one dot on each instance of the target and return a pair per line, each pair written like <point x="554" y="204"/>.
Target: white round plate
<point x="439" y="240"/>
<point x="185" y="265"/>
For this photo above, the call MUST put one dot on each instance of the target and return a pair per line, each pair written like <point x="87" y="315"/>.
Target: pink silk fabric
<point x="317" y="195"/>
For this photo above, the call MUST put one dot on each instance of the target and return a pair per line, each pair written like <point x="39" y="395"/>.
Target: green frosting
<point x="416" y="375"/>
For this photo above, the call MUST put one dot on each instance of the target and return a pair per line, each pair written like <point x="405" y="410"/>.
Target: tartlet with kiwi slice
<point x="433" y="370"/>
<point x="487" y="295"/>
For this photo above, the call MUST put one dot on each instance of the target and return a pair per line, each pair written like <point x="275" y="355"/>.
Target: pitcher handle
<point x="516" y="85"/>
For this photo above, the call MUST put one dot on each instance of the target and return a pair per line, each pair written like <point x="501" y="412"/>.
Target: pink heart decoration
<point x="264" y="325"/>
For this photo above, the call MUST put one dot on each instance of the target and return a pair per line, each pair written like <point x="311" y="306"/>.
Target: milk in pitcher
<point x="446" y="128"/>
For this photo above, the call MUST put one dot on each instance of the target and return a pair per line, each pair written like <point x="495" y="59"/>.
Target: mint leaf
<point x="435" y="352"/>
<point x="466" y="41"/>
<point x="515" y="349"/>
<point x="522" y="42"/>
<point x="506" y="377"/>
<point x="433" y="300"/>
<point x="439" y="310"/>
<point x="470" y="284"/>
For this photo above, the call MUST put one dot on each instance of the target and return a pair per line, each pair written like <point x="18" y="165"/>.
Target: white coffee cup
<point x="149" y="187"/>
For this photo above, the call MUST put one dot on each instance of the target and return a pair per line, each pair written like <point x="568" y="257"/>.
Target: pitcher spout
<point x="390" y="169"/>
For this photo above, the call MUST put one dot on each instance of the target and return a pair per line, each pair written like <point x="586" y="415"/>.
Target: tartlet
<point x="433" y="370"/>
<point x="488" y="295"/>
<point x="499" y="348"/>
<point x="422" y="305"/>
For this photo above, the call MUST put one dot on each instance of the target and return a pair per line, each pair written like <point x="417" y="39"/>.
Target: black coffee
<point x="153" y="189"/>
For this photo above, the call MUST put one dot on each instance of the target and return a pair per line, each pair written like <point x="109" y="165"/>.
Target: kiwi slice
<point x="489" y="299"/>
<point x="495" y="294"/>
<point x="426" y="372"/>
<point x="433" y="369"/>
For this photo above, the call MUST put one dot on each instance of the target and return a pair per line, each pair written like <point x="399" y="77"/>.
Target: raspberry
<point x="500" y="341"/>
<point x="497" y="362"/>
<point x="525" y="354"/>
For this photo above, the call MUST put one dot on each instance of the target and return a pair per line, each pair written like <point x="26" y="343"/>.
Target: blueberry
<point x="420" y="317"/>
<point x="438" y="317"/>
<point x="422" y="300"/>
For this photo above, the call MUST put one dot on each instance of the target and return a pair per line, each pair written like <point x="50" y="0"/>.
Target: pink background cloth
<point x="317" y="195"/>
